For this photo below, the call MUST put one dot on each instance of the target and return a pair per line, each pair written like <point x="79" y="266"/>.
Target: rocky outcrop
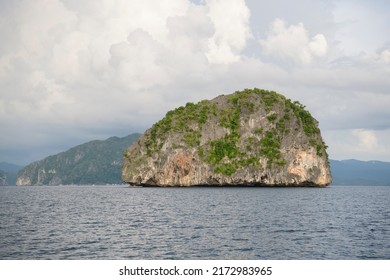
<point x="3" y="178"/>
<point x="251" y="137"/>
<point x="8" y="173"/>
<point x="36" y="174"/>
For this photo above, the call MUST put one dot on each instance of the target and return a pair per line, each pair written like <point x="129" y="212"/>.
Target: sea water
<point x="120" y="222"/>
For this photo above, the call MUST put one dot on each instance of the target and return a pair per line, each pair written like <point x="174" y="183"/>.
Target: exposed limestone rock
<point x="252" y="137"/>
<point x="23" y="181"/>
<point x="3" y="178"/>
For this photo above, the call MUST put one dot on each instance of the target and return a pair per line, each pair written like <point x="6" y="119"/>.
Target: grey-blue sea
<point x="121" y="222"/>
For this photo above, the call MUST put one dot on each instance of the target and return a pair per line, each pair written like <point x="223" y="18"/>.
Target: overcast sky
<point x="72" y="71"/>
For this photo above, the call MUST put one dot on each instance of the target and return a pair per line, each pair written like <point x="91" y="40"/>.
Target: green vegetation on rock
<point x="238" y="144"/>
<point x="178" y="120"/>
<point x="270" y="148"/>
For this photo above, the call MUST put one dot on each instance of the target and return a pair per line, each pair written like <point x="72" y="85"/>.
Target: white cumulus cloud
<point x="293" y="43"/>
<point x="73" y="71"/>
<point x="385" y="56"/>
<point x="367" y="139"/>
<point x="231" y="22"/>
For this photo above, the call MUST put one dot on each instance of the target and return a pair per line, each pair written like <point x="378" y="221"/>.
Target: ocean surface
<point x="120" y="222"/>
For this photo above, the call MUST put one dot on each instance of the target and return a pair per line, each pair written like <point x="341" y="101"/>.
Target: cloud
<point x="134" y="64"/>
<point x="231" y="22"/>
<point x="361" y="26"/>
<point x="73" y="71"/>
<point x="293" y="43"/>
<point x="318" y="45"/>
<point x="363" y="144"/>
<point x="385" y="56"/>
<point x="109" y="64"/>
<point x="367" y="139"/>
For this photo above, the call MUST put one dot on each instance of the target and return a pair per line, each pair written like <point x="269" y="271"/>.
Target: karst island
<point x="252" y="137"/>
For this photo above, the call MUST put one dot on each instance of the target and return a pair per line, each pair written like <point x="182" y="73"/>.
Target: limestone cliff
<point x="251" y="137"/>
<point x="3" y="178"/>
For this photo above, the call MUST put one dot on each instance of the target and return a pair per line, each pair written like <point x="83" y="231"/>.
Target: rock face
<point x="3" y="178"/>
<point x="251" y="137"/>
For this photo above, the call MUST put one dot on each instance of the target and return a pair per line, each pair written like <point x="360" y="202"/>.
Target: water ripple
<point x="105" y="222"/>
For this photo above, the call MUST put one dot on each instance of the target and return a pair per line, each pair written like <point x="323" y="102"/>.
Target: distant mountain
<point x="9" y="167"/>
<point x="356" y="172"/>
<point x="95" y="162"/>
<point x="8" y="173"/>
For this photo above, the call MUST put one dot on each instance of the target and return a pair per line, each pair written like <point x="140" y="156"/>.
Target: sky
<point x="73" y="71"/>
